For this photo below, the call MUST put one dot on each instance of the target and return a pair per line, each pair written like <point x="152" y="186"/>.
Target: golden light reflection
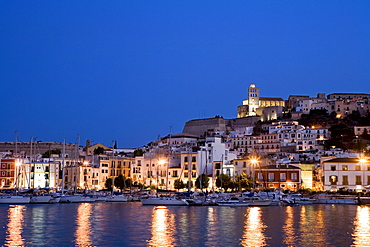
<point x="15" y="227"/>
<point x="212" y="226"/>
<point x="83" y="230"/>
<point x="253" y="228"/>
<point x="288" y="228"/>
<point x="163" y="227"/>
<point x="361" y="233"/>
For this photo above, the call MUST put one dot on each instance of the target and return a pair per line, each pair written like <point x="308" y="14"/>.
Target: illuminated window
<point x="345" y="168"/>
<point x="357" y="168"/>
<point x="333" y="180"/>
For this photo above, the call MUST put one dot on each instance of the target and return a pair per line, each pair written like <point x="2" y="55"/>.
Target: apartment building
<point x="345" y="173"/>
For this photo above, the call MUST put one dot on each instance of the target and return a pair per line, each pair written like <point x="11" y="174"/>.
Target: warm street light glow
<point x="161" y="162"/>
<point x="253" y="160"/>
<point x="363" y="160"/>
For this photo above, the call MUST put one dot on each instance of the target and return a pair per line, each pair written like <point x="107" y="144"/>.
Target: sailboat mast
<point x="168" y="157"/>
<point x="63" y="160"/>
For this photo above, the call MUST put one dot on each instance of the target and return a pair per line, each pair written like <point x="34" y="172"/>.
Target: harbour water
<point x="131" y="224"/>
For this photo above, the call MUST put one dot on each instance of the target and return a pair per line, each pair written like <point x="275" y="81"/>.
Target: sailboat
<point x="10" y="199"/>
<point x="65" y="198"/>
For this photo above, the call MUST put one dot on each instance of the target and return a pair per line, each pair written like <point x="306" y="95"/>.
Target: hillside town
<point x="301" y="143"/>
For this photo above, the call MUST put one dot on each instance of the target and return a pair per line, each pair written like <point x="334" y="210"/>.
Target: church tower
<point x="253" y="99"/>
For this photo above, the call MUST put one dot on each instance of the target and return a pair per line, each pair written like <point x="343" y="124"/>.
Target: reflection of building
<point x="265" y="107"/>
<point x="346" y="173"/>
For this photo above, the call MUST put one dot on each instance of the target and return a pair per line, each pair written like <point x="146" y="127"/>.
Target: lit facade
<point x="346" y="173"/>
<point x="265" y="107"/>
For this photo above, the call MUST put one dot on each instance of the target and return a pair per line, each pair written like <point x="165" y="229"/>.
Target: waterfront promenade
<point x="132" y="224"/>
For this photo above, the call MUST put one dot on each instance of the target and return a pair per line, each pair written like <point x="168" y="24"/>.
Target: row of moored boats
<point x="197" y="199"/>
<point x="249" y="199"/>
<point x="62" y="198"/>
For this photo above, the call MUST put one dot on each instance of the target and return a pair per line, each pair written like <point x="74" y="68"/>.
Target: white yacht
<point x="164" y="201"/>
<point x="255" y="200"/>
<point x="70" y="198"/>
<point x="9" y="199"/>
<point x="118" y="198"/>
<point x="41" y="198"/>
<point x="233" y="202"/>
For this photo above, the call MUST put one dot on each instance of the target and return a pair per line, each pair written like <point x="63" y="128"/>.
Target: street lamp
<point x="363" y="161"/>
<point x="161" y="162"/>
<point x="254" y="161"/>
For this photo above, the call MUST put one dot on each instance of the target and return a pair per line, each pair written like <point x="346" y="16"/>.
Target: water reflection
<point x="253" y="234"/>
<point x="361" y="233"/>
<point x="311" y="226"/>
<point x="163" y="227"/>
<point x="288" y="227"/>
<point x="83" y="230"/>
<point x="15" y="227"/>
<point x="212" y="226"/>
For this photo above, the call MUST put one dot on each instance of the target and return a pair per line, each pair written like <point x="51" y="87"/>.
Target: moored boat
<point x="233" y="202"/>
<point x="9" y="199"/>
<point x="336" y="199"/>
<point x="164" y="201"/>
<point x="298" y="199"/>
<point x="41" y="199"/>
<point x="255" y="200"/>
<point x="118" y="198"/>
<point x="70" y="199"/>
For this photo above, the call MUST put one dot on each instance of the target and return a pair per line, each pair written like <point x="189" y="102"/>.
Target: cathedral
<point x="266" y="108"/>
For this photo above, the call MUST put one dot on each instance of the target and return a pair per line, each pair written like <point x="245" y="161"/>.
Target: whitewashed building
<point x="346" y="173"/>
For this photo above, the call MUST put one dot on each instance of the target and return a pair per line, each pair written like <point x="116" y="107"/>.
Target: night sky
<point x="128" y="70"/>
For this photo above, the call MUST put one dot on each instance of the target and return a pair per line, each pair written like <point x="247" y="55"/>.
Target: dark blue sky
<point x="128" y="70"/>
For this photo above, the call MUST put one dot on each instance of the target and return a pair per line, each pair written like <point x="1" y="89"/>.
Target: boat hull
<point x="335" y="201"/>
<point x="232" y="204"/>
<point x="70" y="199"/>
<point x="260" y="203"/>
<point x="117" y="199"/>
<point x="164" y="201"/>
<point x="14" y="199"/>
<point x="41" y="199"/>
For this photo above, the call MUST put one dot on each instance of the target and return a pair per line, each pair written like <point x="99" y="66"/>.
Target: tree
<point x="48" y="153"/>
<point x="179" y="184"/>
<point x="202" y="181"/>
<point x="340" y="135"/>
<point x="138" y="152"/>
<point x="109" y="184"/>
<point x="365" y="135"/>
<point x="223" y="181"/>
<point x="243" y="181"/>
<point x="120" y="182"/>
<point x="189" y="184"/>
<point x="99" y="150"/>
